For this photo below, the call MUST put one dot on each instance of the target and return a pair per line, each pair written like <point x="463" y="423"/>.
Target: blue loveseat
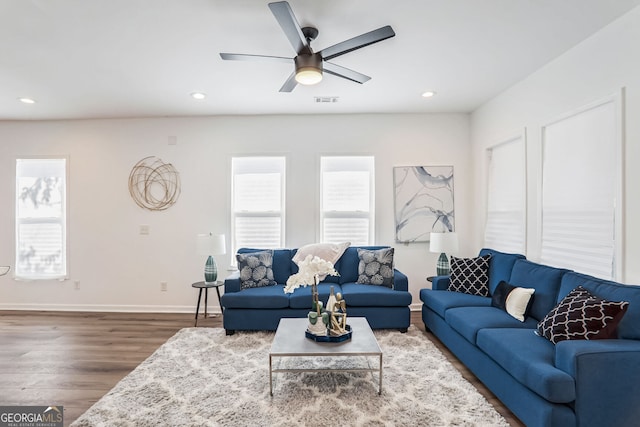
<point x="572" y="383"/>
<point x="262" y="308"/>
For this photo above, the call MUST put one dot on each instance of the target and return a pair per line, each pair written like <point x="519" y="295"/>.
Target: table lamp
<point x="210" y="244"/>
<point x="443" y="243"/>
<point x="4" y="269"/>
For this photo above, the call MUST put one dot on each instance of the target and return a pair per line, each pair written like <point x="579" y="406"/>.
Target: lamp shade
<point x="443" y="242"/>
<point x="210" y="244"/>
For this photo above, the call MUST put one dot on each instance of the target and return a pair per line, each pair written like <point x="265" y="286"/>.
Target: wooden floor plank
<point x="74" y="358"/>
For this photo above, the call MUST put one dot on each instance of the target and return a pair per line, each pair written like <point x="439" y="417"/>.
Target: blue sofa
<point x="572" y="383"/>
<point x="262" y="308"/>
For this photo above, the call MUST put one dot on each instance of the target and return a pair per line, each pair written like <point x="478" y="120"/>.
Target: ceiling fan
<point x="309" y="65"/>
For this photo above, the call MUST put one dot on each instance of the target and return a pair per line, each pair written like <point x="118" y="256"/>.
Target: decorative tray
<point x="329" y="338"/>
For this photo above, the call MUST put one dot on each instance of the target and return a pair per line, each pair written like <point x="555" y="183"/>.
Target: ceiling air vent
<point x="326" y="99"/>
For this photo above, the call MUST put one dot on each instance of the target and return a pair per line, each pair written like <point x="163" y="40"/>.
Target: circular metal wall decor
<point x="153" y="184"/>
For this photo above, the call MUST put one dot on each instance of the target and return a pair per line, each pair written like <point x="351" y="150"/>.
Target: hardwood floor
<point x="73" y="359"/>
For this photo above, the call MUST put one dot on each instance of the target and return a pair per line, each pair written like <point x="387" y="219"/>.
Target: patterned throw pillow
<point x="582" y="316"/>
<point x="470" y="275"/>
<point x="514" y="300"/>
<point x="375" y="267"/>
<point x="256" y="269"/>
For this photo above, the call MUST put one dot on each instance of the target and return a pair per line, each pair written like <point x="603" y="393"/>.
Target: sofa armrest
<point x="440" y="283"/>
<point x="606" y="374"/>
<point x="232" y="282"/>
<point x="400" y="281"/>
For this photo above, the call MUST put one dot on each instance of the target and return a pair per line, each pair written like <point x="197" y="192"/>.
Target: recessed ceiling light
<point x="27" y="100"/>
<point x="198" y="95"/>
<point x="428" y="94"/>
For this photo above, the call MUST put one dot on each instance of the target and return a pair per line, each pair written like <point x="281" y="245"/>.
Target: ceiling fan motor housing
<point x="308" y="68"/>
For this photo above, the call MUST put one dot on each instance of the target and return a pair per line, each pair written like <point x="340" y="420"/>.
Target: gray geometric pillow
<point x="470" y="275"/>
<point x="376" y="267"/>
<point x="256" y="269"/>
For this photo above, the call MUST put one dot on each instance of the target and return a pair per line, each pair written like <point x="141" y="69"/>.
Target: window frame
<point x="353" y="214"/>
<point x="520" y="138"/>
<point x="62" y="220"/>
<point x="618" y="256"/>
<point x="257" y="214"/>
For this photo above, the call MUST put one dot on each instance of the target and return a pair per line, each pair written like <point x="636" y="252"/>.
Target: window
<point x="258" y="202"/>
<point x="505" y="229"/>
<point x="347" y="199"/>
<point x="41" y="219"/>
<point x="581" y="184"/>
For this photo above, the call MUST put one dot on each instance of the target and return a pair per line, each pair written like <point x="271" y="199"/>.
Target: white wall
<point x="119" y="269"/>
<point x="598" y="67"/>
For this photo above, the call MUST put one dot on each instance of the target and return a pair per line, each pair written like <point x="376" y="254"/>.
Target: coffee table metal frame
<point x="290" y="341"/>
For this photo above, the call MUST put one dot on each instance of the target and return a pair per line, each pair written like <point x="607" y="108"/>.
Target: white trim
<point x="620" y="205"/>
<point x="112" y="308"/>
<point x="415" y="306"/>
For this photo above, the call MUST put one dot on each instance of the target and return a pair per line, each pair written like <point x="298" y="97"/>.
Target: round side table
<point x="206" y="286"/>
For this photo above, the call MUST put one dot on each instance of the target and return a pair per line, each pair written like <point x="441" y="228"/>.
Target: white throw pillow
<point x="518" y="301"/>
<point x="327" y="251"/>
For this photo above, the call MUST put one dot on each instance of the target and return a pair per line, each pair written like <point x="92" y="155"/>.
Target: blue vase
<point x="210" y="270"/>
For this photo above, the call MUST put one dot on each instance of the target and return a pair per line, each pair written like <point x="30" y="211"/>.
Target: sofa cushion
<point x="347" y="266"/>
<point x="375" y="267"/>
<point x="530" y="360"/>
<point x="441" y="300"/>
<point x="582" y="316"/>
<point x="544" y="279"/>
<point x="500" y="266"/>
<point x="467" y="321"/>
<point x="281" y="263"/>
<point x="301" y="297"/>
<point x="470" y="275"/>
<point x="357" y="295"/>
<point x="255" y="269"/>
<point x="514" y="300"/>
<point x="629" y="326"/>
<point x="269" y="297"/>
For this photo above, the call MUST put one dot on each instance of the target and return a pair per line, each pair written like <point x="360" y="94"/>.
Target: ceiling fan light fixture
<point x="308" y="76"/>
<point x="308" y="69"/>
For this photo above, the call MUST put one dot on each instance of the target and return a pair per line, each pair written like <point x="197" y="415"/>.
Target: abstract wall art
<point x="423" y="201"/>
<point x="153" y="184"/>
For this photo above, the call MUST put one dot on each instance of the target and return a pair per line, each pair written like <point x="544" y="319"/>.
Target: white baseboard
<point x="106" y="308"/>
<point x="124" y="308"/>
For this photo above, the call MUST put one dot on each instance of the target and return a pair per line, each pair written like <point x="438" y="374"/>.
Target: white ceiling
<point x="142" y="58"/>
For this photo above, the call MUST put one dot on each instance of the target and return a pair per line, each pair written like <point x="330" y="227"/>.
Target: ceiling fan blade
<point x="290" y="84"/>
<point x="246" y="57"/>
<point x="345" y="73"/>
<point x="287" y="20"/>
<point x="358" y="42"/>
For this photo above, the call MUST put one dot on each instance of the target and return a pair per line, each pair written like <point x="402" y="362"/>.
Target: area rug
<point x="201" y="377"/>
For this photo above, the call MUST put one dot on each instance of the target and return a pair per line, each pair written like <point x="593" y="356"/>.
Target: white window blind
<point x="258" y="202"/>
<point x="347" y="199"/>
<point x="580" y="174"/>
<point x="41" y="219"/>
<point x="505" y="229"/>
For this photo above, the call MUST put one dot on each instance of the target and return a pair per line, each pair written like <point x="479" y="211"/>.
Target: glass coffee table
<point x="290" y="342"/>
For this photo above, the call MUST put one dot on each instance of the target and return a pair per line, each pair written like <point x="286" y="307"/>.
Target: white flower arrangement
<point x="309" y="269"/>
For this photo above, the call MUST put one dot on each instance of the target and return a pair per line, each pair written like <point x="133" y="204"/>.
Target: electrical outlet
<point x="163" y="286"/>
<point x="144" y="230"/>
<point x="77" y="284"/>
